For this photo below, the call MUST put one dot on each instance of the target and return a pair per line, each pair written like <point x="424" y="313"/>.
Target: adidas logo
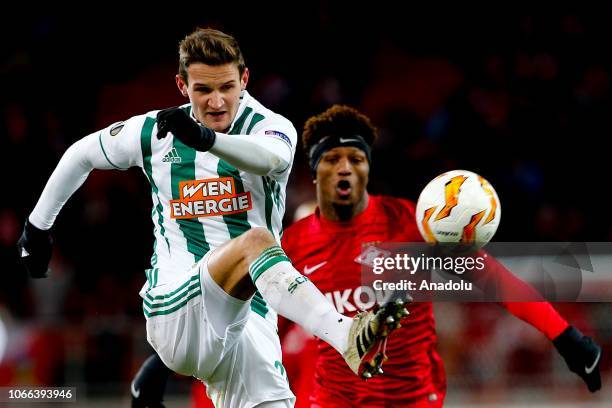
<point x="172" y="156"/>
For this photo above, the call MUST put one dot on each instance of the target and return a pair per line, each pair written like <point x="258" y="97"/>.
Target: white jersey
<point x="199" y="200"/>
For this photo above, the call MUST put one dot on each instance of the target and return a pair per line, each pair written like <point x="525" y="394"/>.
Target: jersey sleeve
<point x="539" y="313"/>
<point x="265" y="151"/>
<point x="115" y="147"/>
<point x="120" y="143"/>
<point x="282" y="135"/>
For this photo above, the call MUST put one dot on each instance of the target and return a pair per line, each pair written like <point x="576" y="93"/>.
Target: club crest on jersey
<point x="209" y="197"/>
<point x="116" y="128"/>
<point x="279" y="134"/>
<point x="369" y="253"/>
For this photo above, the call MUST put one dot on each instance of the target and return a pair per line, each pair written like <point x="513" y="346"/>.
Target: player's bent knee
<point x="229" y="265"/>
<point x="232" y="276"/>
<point x="257" y="239"/>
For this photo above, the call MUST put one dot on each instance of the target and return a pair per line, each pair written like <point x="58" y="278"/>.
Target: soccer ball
<point x="458" y="207"/>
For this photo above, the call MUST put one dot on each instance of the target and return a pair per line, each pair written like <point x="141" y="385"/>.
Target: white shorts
<point x="217" y="339"/>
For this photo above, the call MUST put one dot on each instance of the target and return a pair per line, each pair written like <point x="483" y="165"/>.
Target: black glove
<point x="582" y="356"/>
<point x="35" y="246"/>
<point x="149" y="385"/>
<point x="185" y="129"/>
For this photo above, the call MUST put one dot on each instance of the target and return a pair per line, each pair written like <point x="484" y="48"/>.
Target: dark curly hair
<point x="339" y="120"/>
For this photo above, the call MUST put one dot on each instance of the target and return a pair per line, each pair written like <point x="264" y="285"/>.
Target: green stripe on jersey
<point x="256" y="119"/>
<point x="277" y="190"/>
<point x="148" y="274"/>
<point x="268" y="201"/>
<point x="237" y="223"/>
<point x="152" y="277"/>
<point x="191" y="228"/>
<point x="145" y="146"/>
<point x="239" y="124"/>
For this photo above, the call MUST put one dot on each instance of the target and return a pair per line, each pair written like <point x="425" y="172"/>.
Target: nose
<point x="345" y="168"/>
<point x="216" y="100"/>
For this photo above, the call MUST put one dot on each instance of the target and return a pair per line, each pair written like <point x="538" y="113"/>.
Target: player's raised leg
<point x="255" y="261"/>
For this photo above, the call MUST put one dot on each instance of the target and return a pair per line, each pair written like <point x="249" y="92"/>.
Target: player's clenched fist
<point x="184" y="128"/>
<point x="35" y="246"/>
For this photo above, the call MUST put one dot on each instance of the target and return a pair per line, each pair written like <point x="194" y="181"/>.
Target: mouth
<point x="216" y="115"/>
<point x="343" y="188"/>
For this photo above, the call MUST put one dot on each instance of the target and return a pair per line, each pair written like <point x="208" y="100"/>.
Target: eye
<point x="330" y="159"/>
<point x="227" y="87"/>
<point x="203" y="89"/>
<point x="357" y="159"/>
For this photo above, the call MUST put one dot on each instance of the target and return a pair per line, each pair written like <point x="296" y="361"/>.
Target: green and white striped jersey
<point x="199" y="200"/>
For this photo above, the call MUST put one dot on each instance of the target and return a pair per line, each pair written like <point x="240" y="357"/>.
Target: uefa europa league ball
<point x="458" y="207"/>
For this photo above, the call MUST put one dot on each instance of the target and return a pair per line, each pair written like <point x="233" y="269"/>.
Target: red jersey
<point x="328" y="253"/>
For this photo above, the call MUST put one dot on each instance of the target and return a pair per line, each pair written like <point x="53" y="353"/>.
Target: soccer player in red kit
<point x="329" y="246"/>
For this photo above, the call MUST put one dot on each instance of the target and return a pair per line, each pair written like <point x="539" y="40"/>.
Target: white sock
<point x="295" y="297"/>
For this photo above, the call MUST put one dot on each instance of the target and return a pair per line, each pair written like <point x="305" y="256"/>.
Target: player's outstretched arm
<point x="34" y="245"/>
<point x="580" y="352"/>
<point x="261" y="154"/>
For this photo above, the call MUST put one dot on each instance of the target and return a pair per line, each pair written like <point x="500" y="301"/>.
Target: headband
<point x="329" y="142"/>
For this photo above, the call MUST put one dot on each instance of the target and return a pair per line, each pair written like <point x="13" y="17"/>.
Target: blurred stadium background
<point x="520" y="95"/>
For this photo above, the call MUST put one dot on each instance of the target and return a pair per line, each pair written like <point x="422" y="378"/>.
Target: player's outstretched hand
<point x="184" y="128"/>
<point x="582" y="356"/>
<point x="35" y="246"/>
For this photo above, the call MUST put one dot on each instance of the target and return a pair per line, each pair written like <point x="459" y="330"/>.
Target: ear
<point x="245" y="79"/>
<point x="182" y="85"/>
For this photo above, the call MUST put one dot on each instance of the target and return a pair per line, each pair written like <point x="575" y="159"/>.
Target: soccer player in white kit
<point x="218" y="167"/>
